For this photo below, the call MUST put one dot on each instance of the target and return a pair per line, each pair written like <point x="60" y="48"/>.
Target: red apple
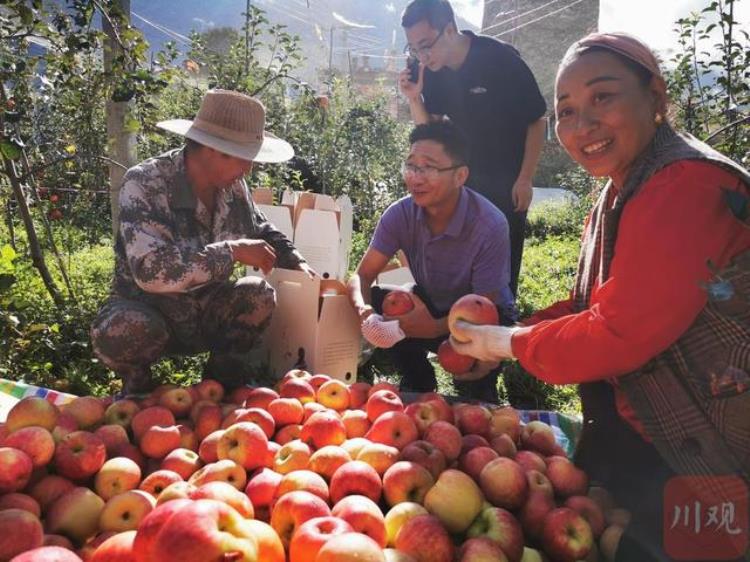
<point x="382" y="385"/>
<point x="178" y="401"/>
<point x="452" y="361"/>
<point x="117" y="475"/>
<point x="223" y="492"/>
<point x="358" y="394"/>
<point x="292" y="510"/>
<point x="35" y="441"/>
<point x="241" y="443"/>
<point x="590" y="511"/>
<point x="422" y="414"/>
<point x="566" y="535"/>
<point x="294" y="455"/>
<point x="117" y="548"/>
<point x="393" y="428"/>
<point x="313" y="534"/>
<point x="262" y="418"/>
<point x="209" y="389"/>
<point x="356" y="478"/>
<point x="261" y="489"/>
<point x="223" y="470"/>
<point x="379" y="456"/>
<point x="425" y="454"/>
<point x="201" y="530"/>
<point x="534" y="511"/>
<point x="175" y="491"/>
<point x="288" y="433"/>
<point x="113" y="436"/>
<point x="529" y="460"/>
<point x="398" y="515"/>
<point x="334" y="394"/>
<point x="16" y="500"/>
<point x="446" y="437"/>
<point x="567" y="479"/>
<point x="158" y="441"/>
<point x="303" y="480"/>
<point x="504" y="483"/>
<point x="297" y="388"/>
<point x="406" y="481"/>
<point x="149" y="417"/>
<point x="86" y="410"/>
<point x="125" y="511"/>
<point x="474" y="309"/>
<point x="539" y="437"/>
<point x="270" y="548"/>
<point x="502" y="527"/>
<point x="425" y="538"/>
<point x="481" y="549"/>
<point x="156" y="482"/>
<point x="21" y="531"/>
<point x="504" y="446"/>
<point x="475" y="460"/>
<point x="364" y="516"/>
<point x="350" y="547"/>
<point x="48" y="554"/>
<point x="383" y="401"/>
<point x="397" y="303"/>
<point x="323" y="428"/>
<point x="79" y="455"/>
<point x="32" y="410"/>
<point x="49" y="488"/>
<point x="16" y="469"/>
<point x="208" y="450"/>
<point x="355" y="422"/>
<point x="75" y="514"/>
<point x="326" y="460"/>
<point x="286" y="411"/>
<point x="505" y="420"/>
<point x="471" y="441"/>
<point x="260" y="398"/>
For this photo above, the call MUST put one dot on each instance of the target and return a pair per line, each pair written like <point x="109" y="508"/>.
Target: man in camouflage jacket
<point x="186" y="218"/>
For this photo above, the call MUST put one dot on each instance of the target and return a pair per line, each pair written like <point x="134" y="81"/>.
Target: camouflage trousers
<point x="224" y="318"/>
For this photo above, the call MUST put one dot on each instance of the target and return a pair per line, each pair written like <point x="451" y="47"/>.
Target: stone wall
<point x="542" y="31"/>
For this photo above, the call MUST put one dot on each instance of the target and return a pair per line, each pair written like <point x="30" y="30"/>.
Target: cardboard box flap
<point x="316" y="236"/>
<point x="325" y="203"/>
<point x="280" y="217"/>
<point x="335" y="346"/>
<point x="288" y="198"/>
<point x="304" y="201"/>
<point x="262" y="196"/>
<point x="292" y="333"/>
<point x="346" y="227"/>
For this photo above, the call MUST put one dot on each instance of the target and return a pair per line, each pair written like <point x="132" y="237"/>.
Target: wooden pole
<point x="121" y="141"/>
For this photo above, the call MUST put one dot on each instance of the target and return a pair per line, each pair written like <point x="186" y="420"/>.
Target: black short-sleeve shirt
<point x="492" y="97"/>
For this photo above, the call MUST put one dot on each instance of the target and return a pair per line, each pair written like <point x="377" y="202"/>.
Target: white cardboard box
<point x="319" y="226"/>
<point x="313" y="323"/>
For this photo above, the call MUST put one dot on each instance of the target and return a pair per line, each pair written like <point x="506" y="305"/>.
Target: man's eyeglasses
<point x="424" y="50"/>
<point x="429" y="173"/>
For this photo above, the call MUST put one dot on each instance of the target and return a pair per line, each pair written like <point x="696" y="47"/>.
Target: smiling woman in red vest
<point x="657" y="328"/>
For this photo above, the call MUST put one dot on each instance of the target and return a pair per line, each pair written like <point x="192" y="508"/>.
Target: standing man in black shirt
<point x="486" y="89"/>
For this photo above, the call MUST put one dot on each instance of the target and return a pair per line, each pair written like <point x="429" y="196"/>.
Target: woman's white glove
<point x="486" y="343"/>
<point x="380" y="332"/>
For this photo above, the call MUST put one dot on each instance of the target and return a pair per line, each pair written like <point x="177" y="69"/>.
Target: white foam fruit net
<point x="380" y="332"/>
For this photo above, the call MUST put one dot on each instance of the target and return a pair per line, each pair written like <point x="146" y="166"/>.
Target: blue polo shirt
<point x="471" y="256"/>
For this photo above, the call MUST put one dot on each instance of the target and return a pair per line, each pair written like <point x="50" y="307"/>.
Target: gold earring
<point x="658" y="118"/>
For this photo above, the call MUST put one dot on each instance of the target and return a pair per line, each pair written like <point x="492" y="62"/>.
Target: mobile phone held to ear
<point x="413" y="65"/>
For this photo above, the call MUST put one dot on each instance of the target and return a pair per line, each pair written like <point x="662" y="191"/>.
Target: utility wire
<point x="552" y="13"/>
<point x="518" y="15"/>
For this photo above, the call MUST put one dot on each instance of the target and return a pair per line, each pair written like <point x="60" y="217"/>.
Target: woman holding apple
<point x="657" y="328"/>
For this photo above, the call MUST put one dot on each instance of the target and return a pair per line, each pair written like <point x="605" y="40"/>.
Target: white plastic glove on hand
<point x="486" y="343"/>
<point x="380" y="332"/>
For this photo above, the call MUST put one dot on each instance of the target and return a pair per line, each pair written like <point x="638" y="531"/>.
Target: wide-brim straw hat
<point x="232" y="123"/>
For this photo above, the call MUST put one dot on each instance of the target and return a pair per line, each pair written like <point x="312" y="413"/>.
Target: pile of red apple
<point x="314" y="471"/>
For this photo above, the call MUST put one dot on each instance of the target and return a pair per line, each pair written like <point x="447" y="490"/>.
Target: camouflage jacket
<point x="170" y="243"/>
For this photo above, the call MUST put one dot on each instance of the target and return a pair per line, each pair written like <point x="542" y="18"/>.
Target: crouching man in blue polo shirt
<point x="456" y="243"/>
